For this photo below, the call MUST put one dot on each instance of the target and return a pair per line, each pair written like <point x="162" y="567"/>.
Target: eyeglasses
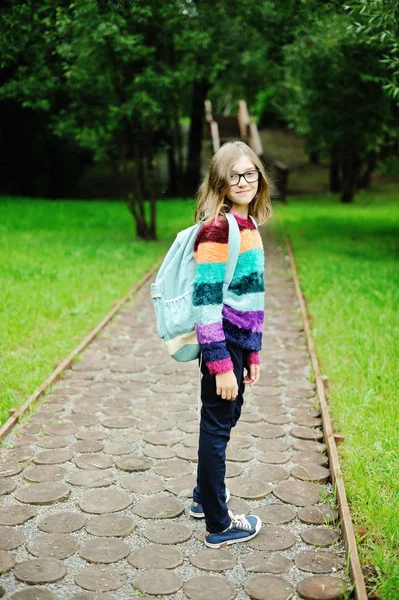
<point x="249" y="176"/>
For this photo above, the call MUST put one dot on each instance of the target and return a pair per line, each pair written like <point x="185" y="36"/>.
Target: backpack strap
<point x="234" y="250"/>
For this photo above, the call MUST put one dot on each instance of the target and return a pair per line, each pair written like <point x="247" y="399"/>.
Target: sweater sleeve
<point x="211" y="253"/>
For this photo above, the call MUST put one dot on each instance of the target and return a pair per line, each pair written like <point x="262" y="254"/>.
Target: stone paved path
<point x="96" y="486"/>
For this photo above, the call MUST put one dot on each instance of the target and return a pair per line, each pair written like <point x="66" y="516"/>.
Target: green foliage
<point x="330" y="89"/>
<point x="376" y="23"/>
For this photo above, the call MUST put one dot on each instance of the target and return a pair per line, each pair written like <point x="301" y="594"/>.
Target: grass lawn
<point x="347" y="258"/>
<point x="63" y="266"/>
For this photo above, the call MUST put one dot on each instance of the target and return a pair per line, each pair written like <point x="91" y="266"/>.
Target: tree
<point x="376" y="23"/>
<point x="101" y="69"/>
<point x="332" y="97"/>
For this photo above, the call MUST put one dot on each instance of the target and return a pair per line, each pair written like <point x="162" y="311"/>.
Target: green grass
<point x="63" y="265"/>
<point x="347" y="258"/>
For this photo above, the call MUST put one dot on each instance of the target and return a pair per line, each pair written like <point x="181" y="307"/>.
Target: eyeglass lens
<point x="249" y="176"/>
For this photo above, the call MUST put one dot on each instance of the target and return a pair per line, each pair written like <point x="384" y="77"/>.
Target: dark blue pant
<point x="218" y="416"/>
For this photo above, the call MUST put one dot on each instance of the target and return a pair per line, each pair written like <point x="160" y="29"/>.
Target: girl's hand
<point x="226" y="385"/>
<point x="253" y="374"/>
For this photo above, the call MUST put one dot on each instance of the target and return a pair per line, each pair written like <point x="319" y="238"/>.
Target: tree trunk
<point x="314" y="157"/>
<point x="335" y="177"/>
<point x="351" y="165"/>
<point x="365" y="178"/>
<point x="193" y="170"/>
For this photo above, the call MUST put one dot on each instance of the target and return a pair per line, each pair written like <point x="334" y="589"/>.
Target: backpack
<point x="172" y="291"/>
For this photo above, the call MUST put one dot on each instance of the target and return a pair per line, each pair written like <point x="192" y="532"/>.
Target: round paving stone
<point x="276" y="514"/>
<point x="20" y="454"/>
<point x="100" y="578"/>
<point x="320" y="536"/>
<point x="39" y="570"/>
<point x="167" y="533"/>
<point x="143" y="484"/>
<point x="272" y="445"/>
<point x="318" y="561"/>
<point x="191" y="441"/>
<point x="173" y="468"/>
<point x="210" y="559"/>
<point x="62" y="522"/>
<point x="119" y="448"/>
<point x="33" y="593"/>
<point x="313" y="458"/>
<point x="87" y="446"/>
<point x="238" y="506"/>
<point x="241" y="441"/>
<point x="159" y="452"/>
<point x="163" y="439"/>
<point x="8" y="469"/>
<point x="306" y="433"/>
<point x="93" y="461"/>
<point x="10" y="538"/>
<point x="233" y="470"/>
<point x="249" y="488"/>
<point x="188" y="454"/>
<point x="157" y="581"/>
<point x="110" y="525"/>
<point x="52" y="457"/>
<point x="60" y="429"/>
<point x="43" y="473"/>
<point x="299" y="493"/>
<point x="209" y="586"/>
<point x="308" y="446"/>
<point x="267" y="562"/>
<point x="43" y="493"/>
<point x="93" y="596"/>
<point x="251" y="417"/>
<point x="322" y="587"/>
<point x="52" y="545"/>
<point x="7" y="561"/>
<point x="276" y="458"/>
<point x="156" y="557"/>
<point x="159" y="507"/>
<point x="269" y="473"/>
<point x="189" y="427"/>
<point x="133" y="463"/>
<point x="91" y="434"/>
<point x="90" y="478"/>
<point x="267" y="431"/>
<point x="311" y="473"/>
<point x="182" y="486"/>
<point x="106" y="500"/>
<point x="7" y="486"/>
<point x="119" y="422"/>
<point x="272" y="538"/>
<point x="268" y="587"/>
<point x="239" y="455"/>
<point x="84" y="420"/>
<point x="278" y="419"/>
<point x="106" y="550"/>
<point x="322" y="514"/>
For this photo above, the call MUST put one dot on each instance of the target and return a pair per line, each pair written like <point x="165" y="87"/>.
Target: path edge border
<point x="348" y="534"/>
<point x="66" y="363"/>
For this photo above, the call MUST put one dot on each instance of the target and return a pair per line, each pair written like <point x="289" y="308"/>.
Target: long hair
<point x="211" y="197"/>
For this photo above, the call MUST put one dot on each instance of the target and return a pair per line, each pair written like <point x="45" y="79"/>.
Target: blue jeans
<point x="218" y="416"/>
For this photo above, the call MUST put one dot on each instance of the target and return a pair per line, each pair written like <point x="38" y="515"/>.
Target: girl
<point x="229" y="327"/>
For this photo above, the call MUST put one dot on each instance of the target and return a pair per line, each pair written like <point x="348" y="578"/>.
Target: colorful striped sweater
<point x="238" y="316"/>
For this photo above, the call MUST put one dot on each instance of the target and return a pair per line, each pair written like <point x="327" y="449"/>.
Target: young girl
<point x="229" y="327"/>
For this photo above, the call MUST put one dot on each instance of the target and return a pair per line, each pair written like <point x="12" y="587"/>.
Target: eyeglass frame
<point x="243" y="175"/>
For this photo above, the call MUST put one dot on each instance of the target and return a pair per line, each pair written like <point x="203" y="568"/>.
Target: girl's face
<point x="242" y="192"/>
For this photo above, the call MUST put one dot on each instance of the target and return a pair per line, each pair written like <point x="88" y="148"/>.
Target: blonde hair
<point x="211" y="197"/>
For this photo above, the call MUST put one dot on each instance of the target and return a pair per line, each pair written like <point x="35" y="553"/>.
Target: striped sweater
<point x="238" y="316"/>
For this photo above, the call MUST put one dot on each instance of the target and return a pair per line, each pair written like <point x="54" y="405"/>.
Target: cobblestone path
<point x="96" y="485"/>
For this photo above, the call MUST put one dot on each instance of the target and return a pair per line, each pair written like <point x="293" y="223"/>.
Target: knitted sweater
<point x="238" y="316"/>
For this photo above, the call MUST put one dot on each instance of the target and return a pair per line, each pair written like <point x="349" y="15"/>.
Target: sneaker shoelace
<point x="240" y="521"/>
